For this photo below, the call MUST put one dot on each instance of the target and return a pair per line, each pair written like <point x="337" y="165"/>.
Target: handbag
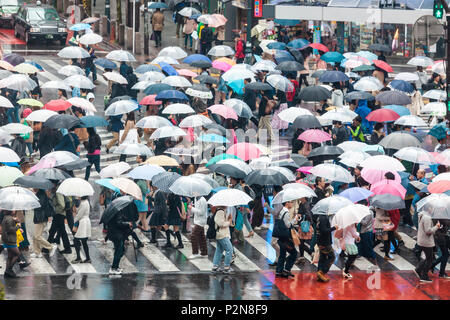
<point x="152" y="37"/>
<point x="295" y="238"/>
<point x="279" y="229"/>
<point x="304" y="226"/>
<point x="19" y="237"/>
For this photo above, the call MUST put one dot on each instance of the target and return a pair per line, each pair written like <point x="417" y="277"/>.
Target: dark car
<point x="39" y="22"/>
<point x="7" y="9"/>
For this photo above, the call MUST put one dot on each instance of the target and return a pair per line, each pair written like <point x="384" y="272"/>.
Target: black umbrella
<point x="13" y="58"/>
<point x="228" y="170"/>
<point x="318" y="73"/>
<point x="306" y="122"/>
<point x="115" y="207"/>
<point x="326" y="151"/>
<point x="301" y="160"/>
<point x="267" y="176"/>
<point x="359" y="95"/>
<point x="51" y="174"/>
<point x="399" y="140"/>
<point x="289" y="66"/>
<point x="164" y="180"/>
<point x="258" y="86"/>
<point x="393" y="97"/>
<point x="387" y="202"/>
<point x="201" y="64"/>
<point x="204" y="78"/>
<point x="75" y="165"/>
<point x="59" y="121"/>
<point x="290" y="164"/>
<point x="119" y="98"/>
<point x="379" y="47"/>
<point x="314" y="93"/>
<point x="296" y="54"/>
<point x="34" y="182"/>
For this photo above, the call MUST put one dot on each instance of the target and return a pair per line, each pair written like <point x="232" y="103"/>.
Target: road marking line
<point x="241" y="261"/>
<point x="41" y="266"/>
<point x="398" y="262"/>
<point x="80" y="267"/>
<point x="202" y="263"/>
<point x="108" y="253"/>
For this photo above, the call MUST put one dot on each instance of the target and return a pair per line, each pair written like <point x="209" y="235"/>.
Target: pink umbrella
<point x="314" y="135"/>
<point x="186" y="73"/>
<point x="224" y="111"/>
<point x="244" y="150"/>
<point x="304" y="170"/>
<point x="390" y="187"/>
<point x="150" y="101"/>
<point x="44" y="164"/>
<point x="223" y="66"/>
<point x="353" y="64"/>
<point x="374" y="175"/>
<point x="440" y="158"/>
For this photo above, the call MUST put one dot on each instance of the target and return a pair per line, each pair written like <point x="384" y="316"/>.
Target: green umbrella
<point x="363" y="67"/>
<point x="221" y="156"/>
<point x="8" y="175"/>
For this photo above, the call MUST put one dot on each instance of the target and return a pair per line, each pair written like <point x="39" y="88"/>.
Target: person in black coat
<point x="46" y="140"/>
<point x="326" y="258"/>
<point x="118" y="231"/>
<point x="160" y="212"/>
<point x="93" y="146"/>
<point x="174" y="219"/>
<point x="68" y="143"/>
<point x="117" y="90"/>
<point x="36" y="92"/>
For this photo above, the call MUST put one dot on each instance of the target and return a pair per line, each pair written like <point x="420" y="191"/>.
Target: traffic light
<point x="438" y="9"/>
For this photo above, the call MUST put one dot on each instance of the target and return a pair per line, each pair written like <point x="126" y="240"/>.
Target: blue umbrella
<point x="298" y="43"/>
<point x="213" y="138"/>
<point x="106" y="183"/>
<point x="143" y="68"/>
<point x="215" y="190"/>
<point x="333" y="76"/>
<point x="368" y="55"/>
<point x="93" y="121"/>
<point x="277" y="45"/>
<point x="167" y="68"/>
<point x="287" y="22"/>
<point x="11" y="164"/>
<point x="171" y="95"/>
<point x="80" y="26"/>
<point x="158" y="5"/>
<point x="157" y="88"/>
<point x="438" y="132"/>
<point x="145" y="172"/>
<point x="332" y="56"/>
<point x="402" y="85"/>
<point x="196" y="57"/>
<point x="400" y="110"/>
<point x="282" y="56"/>
<point x="195" y="16"/>
<point x="105" y="63"/>
<point x="356" y="194"/>
<point x="237" y="86"/>
<point x="36" y="65"/>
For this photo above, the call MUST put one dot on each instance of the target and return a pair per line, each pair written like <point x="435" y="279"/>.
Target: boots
<point x="139" y="242"/>
<point x="180" y="243"/>
<point x="153" y="231"/>
<point x="168" y="243"/>
<point x="9" y="273"/>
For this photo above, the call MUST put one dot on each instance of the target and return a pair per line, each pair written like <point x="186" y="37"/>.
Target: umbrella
<point x="351" y="145"/>
<point x="177" y="108"/>
<point x="435" y="94"/>
<point x="16" y="128"/>
<point x="436" y="205"/>
<point x="332" y="56"/>
<point x="442" y="176"/>
<point x="18" y="82"/>
<point x="201" y="64"/>
<point x="193" y="121"/>
<point x="356" y="194"/>
<point x="50" y="174"/>
<point x="186" y="73"/>
<point x="171" y="95"/>
<point x="116" y="206"/>
<point x="415" y="155"/>
<point x="333" y="76"/>
<point x="435" y="108"/>
<point x="400" y="110"/>
<point x="292" y="194"/>
<point x="25" y="68"/>
<point x="115" y="77"/>
<point x="283" y="56"/>
<point x="290" y="114"/>
<point x="8" y="155"/>
<point x="359" y="95"/>
<point x="190" y="187"/>
<point x="224" y="111"/>
<point x="173" y="52"/>
<point x="300" y="160"/>
<point x="164" y="180"/>
<point x="60" y="157"/>
<point x="199" y="91"/>
<point x="372" y="175"/>
<point x="402" y="85"/>
<point x="440" y="186"/>
<point x="398" y="140"/>
<point x="319" y="46"/>
<point x="260" y="163"/>
<point x="34" y="182"/>
<point x="73" y="52"/>
<point x="266" y="176"/>
<point x="90" y="20"/>
<point x="57" y="105"/>
<point x="332" y="172"/>
<point x="420" y="61"/>
<point x="229" y="198"/>
<point x="56" y="85"/>
<point x="105" y="63"/>
<point x="196" y="57"/>
<point x="145" y="172"/>
<point x="245" y="151"/>
<point x="213" y="138"/>
<point x="388" y="187"/>
<point x="156" y="88"/>
<point x="162" y="161"/>
<point x="150" y="100"/>
<point x="306" y="122"/>
<point x="383" y="162"/>
<point x="8" y="175"/>
<point x="349" y="215"/>
<point x="220" y="157"/>
<point x="167" y="131"/>
<point x="367" y="54"/>
<point x="368" y="84"/>
<point x="143" y="68"/>
<point x="383" y="65"/>
<point x="153" y="122"/>
<point x="407" y="76"/>
<point x="325" y="152"/>
<point x="5" y="103"/>
<point x="237" y="74"/>
<point x="290" y="66"/>
<point x="26" y="102"/>
<point x="314" y="93"/>
<point x="79" y="81"/>
<point x="221" y="51"/>
<point x="353" y="158"/>
<point x="5" y="138"/>
<point x="114" y="170"/>
<point x="297" y="43"/>
<point x="393" y="97"/>
<point x="134" y="149"/>
<point x="240" y="107"/>
<point x="105" y="183"/>
<point x="177" y="81"/>
<point x="165" y="61"/>
<point x="277" y="45"/>
<point x="119" y="98"/>
<point x="121" y="107"/>
<point x="387" y="202"/>
<point x="93" y="121"/>
<point x="379" y="47"/>
<point x="75" y="165"/>
<point x="188" y="11"/>
<point x="120" y="55"/>
<point x="18" y="198"/>
<point x="258" y="86"/>
<point x="70" y="70"/>
<point x="280" y="82"/>
<point x="188" y="152"/>
<point x="127" y="186"/>
<point x="207" y="79"/>
<point x="342" y="115"/>
<point x="75" y="187"/>
<point x="263" y="65"/>
<point x="215" y="128"/>
<point x="80" y="27"/>
<point x="235" y="168"/>
<point x="7" y="67"/>
<point x="59" y="121"/>
<point x="438" y="132"/>
<point x="330" y="205"/>
<point x="382" y="115"/>
<point x="13" y="58"/>
<point x="314" y="135"/>
<point x="158" y="5"/>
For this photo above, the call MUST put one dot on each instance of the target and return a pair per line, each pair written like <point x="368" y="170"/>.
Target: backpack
<point x="67" y="203"/>
<point x="304" y="226"/>
<point x="207" y="35"/>
<point x="212" y="231"/>
<point x="279" y="228"/>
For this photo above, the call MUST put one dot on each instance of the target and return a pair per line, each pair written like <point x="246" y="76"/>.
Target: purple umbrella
<point x="356" y="194"/>
<point x="13" y="58"/>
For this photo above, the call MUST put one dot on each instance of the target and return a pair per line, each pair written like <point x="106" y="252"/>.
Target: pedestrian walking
<point x="60" y="203"/>
<point x="223" y="240"/>
<point x="118" y="230"/>
<point x="425" y="241"/>
<point x="286" y="244"/>
<point x="93" y="147"/>
<point x="142" y="205"/>
<point x="82" y="230"/>
<point x="129" y="134"/>
<point x="206" y="39"/>
<point x="116" y="125"/>
<point x="89" y="64"/>
<point x="10" y="226"/>
<point x="198" y="239"/>
<point x="442" y="240"/>
<point x="40" y="220"/>
<point x="326" y="255"/>
<point x="175" y="214"/>
<point x="160" y="212"/>
<point x="190" y="25"/>
<point x="347" y="242"/>
<point x="157" y="25"/>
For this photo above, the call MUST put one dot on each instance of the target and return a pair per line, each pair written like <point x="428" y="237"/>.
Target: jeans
<point x="444" y="244"/>
<point x="186" y="37"/>
<point x="92" y="68"/>
<point x="365" y="246"/>
<point x="13" y="118"/>
<point x="326" y="258"/>
<point x="59" y="227"/>
<point x="247" y="222"/>
<point x="221" y="246"/>
<point x="29" y="147"/>
<point x="425" y="265"/>
<point x="286" y="247"/>
<point x="93" y="160"/>
<point x="119" y="248"/>
<point x="157" y="38"/>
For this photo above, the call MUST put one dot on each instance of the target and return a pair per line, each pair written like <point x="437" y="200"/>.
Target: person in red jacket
<point x="239" y="48"/>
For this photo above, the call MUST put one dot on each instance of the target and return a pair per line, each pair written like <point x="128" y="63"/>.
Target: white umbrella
<point x="420" y="61"/>
<point x="442" y="176"/>
<point x="352" y="145"/>
<point x="264" y="65"/>
<point x="134" y="149"/>
<point x="5" y="138"/>
<point x="285" y="172"/>
<point x="411" y="121"/>
<point x="79" y="81"/>
<point x="263" y="44"/>
<point x="196" y="120"/>
<point x="332" y="172"/>
<point x="167" y="131"/>
<point x="152" y="76"/>
<point x="16" y="128"/>
<point x="8" y="175"/>
<point x="82" y="103"/>
<point x="145" y="172"/>
<point x="435" y="94"/>
<point x="165" y="59"/>
<point x="40" y="115"/>
<point x="189" y="11"/>
<point x="353" y="158"/>
<point x="199" y="94"/>
<point x="60" y="157"/>
<point x="153" y="122"/>
<point x="75" y="187"/>
<point x="114" y="170"/>
<point x="439" y="67"/>
<point x="221" y="51"/>
<point x="120" y="55"/>
<point x="207" y="178"/>
<point x="330" y="205"/>
<point x="190" y="187"/>
<point x="229" y="198"/>
<point x="178" y="108"/>
<point x="237" y="74"/>
<point x="280" y="83"/>
<point x="25" y="68"/>
<point x="5" y="103"/>
<point x="260" y="163"/>
<point x="127" y="186"/>
<point x="73" y="52"/>
<point x="71" y="70"/>
<point x="383" y="162"/>
<point x="121" y="107"/>
<point x="407" y="76"/>
<point x="173" y="52"/>
<point x="18" y="198"/>
<point x="342" y="115"/>
<point x="290" y="114"/>
<point x="56" y="84"/>
<point x="18" y="82"/>
<point x="435" y="108"/>
<point x="295" y="185"/>
<point x="437" y="205"/>
<point x="290" y="195"/>
<point x="415" y="155"/>
<point x="90" y="38"/>
<point x="349" y="215"/>
<point x="177" y="81"/>
<point x="368" y="84"/>
<point x="142" y="85"/>
<point x="242" y="109"/>
<point x="115" y="77"/>
<point x="8" y="155"/>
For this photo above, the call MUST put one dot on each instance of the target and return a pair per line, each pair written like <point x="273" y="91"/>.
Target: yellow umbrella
<point x="127" y="186"/>
<point x="30" y="102"/>
<point x="25" y="68"/>
<point x="162" y="161"/>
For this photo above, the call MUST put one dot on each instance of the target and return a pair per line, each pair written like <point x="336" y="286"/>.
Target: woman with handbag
<point x="382" y="225"/>
<point x="82" y="229"/>
<point x="349" y="235"/>
<point x="286" y="244"/>
<point x="189" y="26"/>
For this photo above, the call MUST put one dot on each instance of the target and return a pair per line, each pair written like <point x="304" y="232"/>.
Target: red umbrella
<point x="57" y="105"/>
<point x="383" y="65"/>
<point x="314" y="135"/>
<point x="389" y="187"/>
<point x="245" y="151"/>
<point x="382" y="115"/>
<point x="319" y="46"/>
<point x="150" y="101"/>
<point x="439" y="186"/>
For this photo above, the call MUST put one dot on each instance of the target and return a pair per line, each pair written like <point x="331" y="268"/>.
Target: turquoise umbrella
<point x="237" y="86"/>
<point x="332" y="56"/>
<point x="277" y="45"/>
<point x="213" y="138"/>
<point x="221" y="156"/>
<point x="106" y="183"/>
<point x="400" y="110"/>
<point x="297" y="43"/>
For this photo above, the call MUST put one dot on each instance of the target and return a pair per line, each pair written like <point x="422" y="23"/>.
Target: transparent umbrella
<point x="18" y="198"/>
<point x="330" y="205"/>
<point x="350" y="214"/>
<point x="191" y="187"/>
<point x="75" y="187"/>
<point x="229" y="198"/>
<point x="437" y="205"/>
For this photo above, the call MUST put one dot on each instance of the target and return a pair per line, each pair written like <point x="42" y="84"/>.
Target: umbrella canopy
<point x="18" y="82"/>
<point x="152" y="76"/>
<point x="400" y="110"/>
<point x="220" y="157"/>
<point x="167" y="131"/>
<point x="34" y="182"/>
<point x="402" y="85"/>
<point x="333" y="76"/>
<point x="186" y="73"/>
<point x="75" y="165"/>
<point x="26" y="102"/>
<point x="90" y="20"/>
<point x="235" y="168"/>
<point x="353" y="158"/>
<point x="363" y="68"/>
<point x="120" y="55"/>
<point x="224" y="111"/>
<point x="229" y="198"/>
<point x="75" y="187"/>
<point x="50" y="174"/>
<point x="163" y="181"/>
<point x="359" y="95"/>
<point x="79" y="81"/>
<point x="105" y="63"/>
<point x="383" y="65"/>
<point x="62" y="121"/>
<point x="440" y="186"/>
<point x="356" y="194"/>
<point x="8" y="175"/>
<point x="150" y="101"/>
<point x="162" y="161"/>
<point x="290" y="114"/>
<point x="420" y="61"/>
<point x="115" y="77"/>
<point x="290" y="66"/>
<point x="196" y="57"/>
<point x="71" y="70"/>
<point x="434" y="108"/>
<point x="314" y="93"/>
<point x="13" y="58"/>
<point x="393" y="97"/>
<point x="319" y="46"/>
<point x="134" y="149"/>
<point x="172" y="95"/>
<point x="436" y="205"/>
<point x="382" y="115"/>
<point x="16" y="128"/>
<point x="145" y="172"/>
<point x="80" y="27"/>
<point x="266" y="176"/>
<point x="201" y="64"/>
<point x="114" y="170"/>
<point x="199" y="91"/>
<point x="56" y="85"/>
<point x="93" y="121"/>
<point x="177" y="108"/>
<point x="60" y="157"/>
<point x="332" y="56"/>
<point x="190" y="187"/>
<point x="280" y="82"/>
<point x="127" y="186"/>
<point x="25" y="68"/>
<point x="258" y="86"/>
<point x="221" y="51"/>
<point x="207" y="79"/>
<point x="330" y="205"/>
<point x="342" y="115"/>
<point x="188" y="11"/>
<point x="376" y="175"/>
<point x="388" y="187"/>
<point x="368" y="84"/>
<point x="292" y="194"/>
<point x="332" y="172"/>
<point x="173" y="52"/>
<point x="57" y="105"/>
<point x="18" y="198"/>
<point x="435" y="94"/>
<point x="398" y="140"/>
<point x="442" y="176"/>
<point x="379" y="47"/>
<point x="384" y="162"/>
<point x="240" y="107"/>
<point x="8" y="155"/>
<point x="245" y="151"/>
<point x="153" y="122"/>
<point x="326" y="151"/>
<point x="314" y="135"/>
<point x="121" y="107"/>
<point x="349" y="215"/>
<point x="407" y="76"/>
<point x="213" y="138"/>
<point x="415" y="155"/>
<point x="73" y="52"/>
<point x="116" y="206"/>
<point x="306" y="122"/>
<point x="387" y="202"/>
<point x="177" y="81"/>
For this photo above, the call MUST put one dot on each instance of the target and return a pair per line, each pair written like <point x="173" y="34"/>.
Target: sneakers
<point x="281" y="275"/>
<point x="215" y="269"/>
<point x="53" y="250"/>
<point x="388" y="258"/>
<point x="86" y="261"/>
<point x="227" y="270"/>
<point x="76" y="261"/>
<point x="180" y="246"/>
<point x="426" y="279"/>
<point x="322" y="277"/>
<point x="194" y="256"/>
<point x="346" y="275"/>
<point x="36" y="256"/>
<point x="115" y="271"/>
